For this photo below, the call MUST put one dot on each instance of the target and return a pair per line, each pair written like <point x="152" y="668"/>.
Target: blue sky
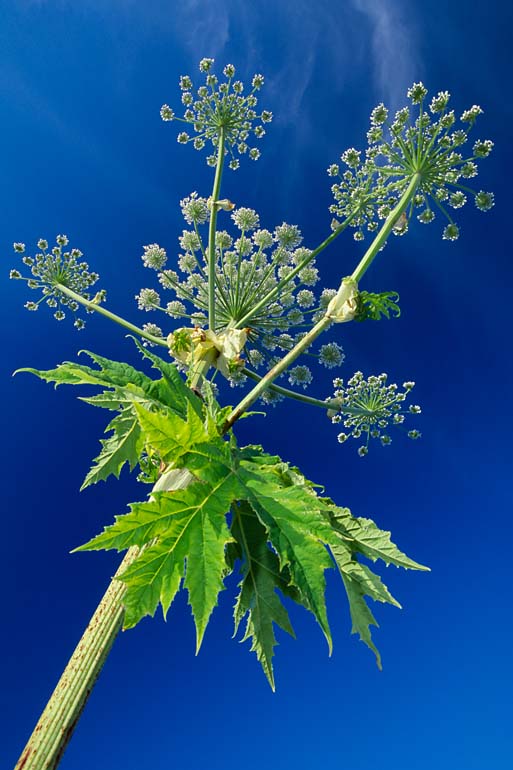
<point x="85" y="153"/>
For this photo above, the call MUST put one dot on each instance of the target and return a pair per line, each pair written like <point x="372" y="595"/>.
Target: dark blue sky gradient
<point x="85" y="153"/>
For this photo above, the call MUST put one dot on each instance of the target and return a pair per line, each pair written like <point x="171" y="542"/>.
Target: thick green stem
<point x="325" y="321"/>
<point x="197" y="371"/>
<point x="212" y="234"/>
<point x="385" y="231"/>
<point x="276" y="370"/>
<point x="246" y="320"/>
<point x="52" y="733"/>
<point x="91" y="305"/>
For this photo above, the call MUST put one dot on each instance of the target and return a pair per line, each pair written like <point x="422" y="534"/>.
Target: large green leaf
<point x="178" y="394"/>
<point x="284" y="534"/>
<point x="170" y="390"/>
<point x="153" y="578"/>
<point x="258" y="598"/>
<point x="369" y="540"/>
<point x="360" y="581"/>
<point x="114" y="399"/>
<point x="168" y="434"/>
<point x="190" y="525"/>
<point x="298" y="530"/>
<point x="110" y="373"/>
<point x="124" y="446"/>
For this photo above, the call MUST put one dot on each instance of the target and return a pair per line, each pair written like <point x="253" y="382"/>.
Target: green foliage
<point x="297" y="527"/>
<point x="372" y="306"/>
<point x="366" y="538"/>
<point x="126" y="388"/>
<point x="261" y="577"/>
<point x="238" y="509"/>
<point x="362" y="536"/>
<point x="124" y="446"/>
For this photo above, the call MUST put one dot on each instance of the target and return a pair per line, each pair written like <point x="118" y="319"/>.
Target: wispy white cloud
<point x="199" y="24"/>
<point x="204" y="26"/>
<point x="393" y="45"/>
<point x="299" y="46"/>
<point x="340" y="35"/>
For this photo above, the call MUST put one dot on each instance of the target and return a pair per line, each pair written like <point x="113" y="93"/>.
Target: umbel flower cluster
<point x="220" y="110"/>
<point x="245" y="296"/>
<point x="367" y="407"/>
<point x="51" y="269"/>
<point x="421" y="144"/>
<point x="264" y="283"/>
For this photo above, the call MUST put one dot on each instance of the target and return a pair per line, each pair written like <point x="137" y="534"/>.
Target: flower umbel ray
<point x="220" y="107"/>
<point x="250" y="265"/>
<point x="422" y="140"/>
<point x="54" y="268"/>
<point x="64" y="282"/>
<point x="367" y="407"/>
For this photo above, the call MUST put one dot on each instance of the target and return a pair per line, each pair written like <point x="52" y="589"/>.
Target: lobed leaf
<point x="170" y="435"/>
<point x="153" y="578"/>
<point x="282" y="531"/>
<point x="124" y="446"/>
<point x="369" y="540"/>
<point x="190" y="525"/>
<point x="170" y="390"/>
<point x="359" y="581"/>
<point x="298" y="531"/>
<point x="176" y="395"/>
<point x="258" y="598"/>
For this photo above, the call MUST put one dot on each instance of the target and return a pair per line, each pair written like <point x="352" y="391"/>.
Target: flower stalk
<point x="212" y="233"/>
<point x="380" y="240"/>
<point x="55" y="727"/>
<point x="273" y="294"/>
<point x="91" y="305"/>
<point x="326" y="320"/>
<point x="330" y="404"/>
<point x="276" y="370"/>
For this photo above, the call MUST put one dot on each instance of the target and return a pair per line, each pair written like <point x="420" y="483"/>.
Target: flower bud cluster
<point x="220" y="107"/>
<point x="367" y="407"/>
<point x="54" y="268"/>
<point x="420" y="140"/>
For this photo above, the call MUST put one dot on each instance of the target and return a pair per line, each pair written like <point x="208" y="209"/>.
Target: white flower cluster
<point x="217" y="108"/>
<point x="54" y="267"/>
<point x="426" y="144"/>
<point x="250" y="265"/>
<point x="368" y="406"/>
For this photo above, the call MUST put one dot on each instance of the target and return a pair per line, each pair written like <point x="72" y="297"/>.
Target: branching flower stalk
<point x="247" y="297"/>
<point x="391" y="221"/>
<point x="307" y="260"/>
<point x="93" y="306"/>
<point x="214" y="204"/>
<point x="327" y="319"/>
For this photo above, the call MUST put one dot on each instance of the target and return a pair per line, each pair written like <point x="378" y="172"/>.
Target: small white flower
<point x="300" y="375"/>
<point x="147" y="299"/>
<point x="246" y="219"/>
<point x="331" y="355"/>
<point x="154" y="256"/>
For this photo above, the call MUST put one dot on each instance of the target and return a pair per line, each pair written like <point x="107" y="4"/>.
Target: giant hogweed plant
<point x="242" y="304"/>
